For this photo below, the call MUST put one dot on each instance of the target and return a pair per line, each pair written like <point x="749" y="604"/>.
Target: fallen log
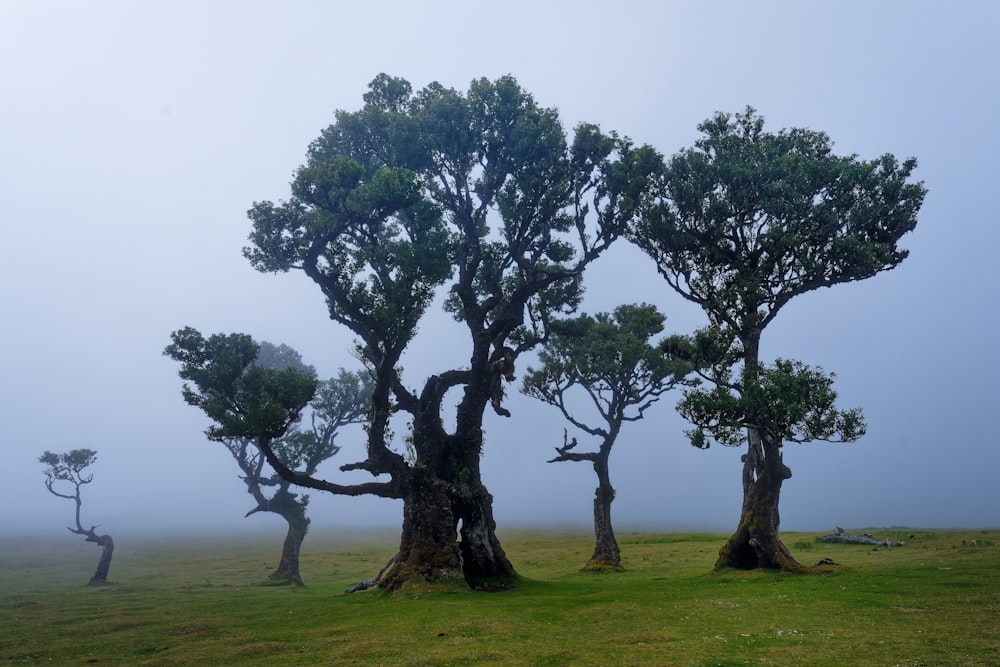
<point x="843" y="537"/>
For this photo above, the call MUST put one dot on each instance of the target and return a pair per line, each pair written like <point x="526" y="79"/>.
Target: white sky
<point x="135" y="135"/>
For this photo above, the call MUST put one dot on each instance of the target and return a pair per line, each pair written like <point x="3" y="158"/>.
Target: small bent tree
<point x="482" y="195"/>
<point x="340" y="401"/>
<point x="63" y="471"/>
<point x="744" y="222"/>
<point x="256" y="393"/>
<point x="610" y="360"/>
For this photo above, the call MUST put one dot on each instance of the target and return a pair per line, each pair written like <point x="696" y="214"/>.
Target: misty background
<point x="135" y="136"/>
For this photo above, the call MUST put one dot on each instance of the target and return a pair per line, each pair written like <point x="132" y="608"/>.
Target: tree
<point x="743" y="222"/>
<point x="67" y="469"/>
<point x="610" y="360"/>
<point x="478" y="194"/>
<point x="255" y="393"/>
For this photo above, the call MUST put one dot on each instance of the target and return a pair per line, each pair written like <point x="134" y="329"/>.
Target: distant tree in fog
<point x="64" y="477"/>
<point x="257" y="392"/>
<point x="606" y="362"/>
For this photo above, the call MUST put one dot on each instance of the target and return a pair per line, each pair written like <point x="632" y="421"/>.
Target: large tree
<point x="64" y="477"/>
<point x="745" y="221"/>
<point x="606" y="360"/>
<point x="255" y="393"/>
<point x="479" y="194"/>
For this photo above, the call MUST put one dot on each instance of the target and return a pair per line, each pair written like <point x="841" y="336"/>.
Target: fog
<point x="136" y="135"/>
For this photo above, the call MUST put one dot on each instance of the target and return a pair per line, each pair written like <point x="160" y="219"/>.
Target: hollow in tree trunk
<point x="445" y="498"/>
<point x="428" y="547"/>
<point x="756" y="542"/>
<point x="484" y="563"/>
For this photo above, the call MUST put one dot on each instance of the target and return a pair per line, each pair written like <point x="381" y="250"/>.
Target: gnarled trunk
<point x="445" y="498"/>
<point x="756" y="542"/>
<point x="484" y="562"/>
<point x="428" y="546"/>
<point x="294" y="513"/>
<point x="607" y="556"/>
<point x="104" y="564"/>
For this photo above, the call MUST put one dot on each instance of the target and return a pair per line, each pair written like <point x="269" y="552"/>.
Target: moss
<point x="602" y="567"/>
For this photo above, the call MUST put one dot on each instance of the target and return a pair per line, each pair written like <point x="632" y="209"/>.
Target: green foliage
<point x="245" y="400"/>
<point x="339" y="401"/>
<point x="746" y="219"/>
<point x="609" y="358"/>
<point x="788" y="400"/>
<point x="68" y="466"/>
<point x="281" y="356"/>
<point x="65" y="470"/>
<point x="743" y="222"/>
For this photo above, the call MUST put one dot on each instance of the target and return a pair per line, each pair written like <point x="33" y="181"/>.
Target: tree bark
<point x="484" y="562"/>
<point x="294" y="513"/>
<point x="428" y="547"/>
<point x="445" y="498"/>
<point x="104" y="564"/>
<point x="607" y="556"/>
<point x="756" y="542"/>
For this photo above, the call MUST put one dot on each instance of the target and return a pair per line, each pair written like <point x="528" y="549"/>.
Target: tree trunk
<point x="484" y="563"/>
<point x="607" y="556"/>
<point x="294" y="513"/>
<point x="756" y="543"/>
<point x="428" y="547"/>
<point x="444" y="497"/>
<point x="103" y="565"/>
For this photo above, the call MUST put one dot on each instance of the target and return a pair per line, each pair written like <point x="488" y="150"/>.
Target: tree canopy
<point x="242" y="398"/>
<point x="746" y="220"/>
<point x="609" y="360"/>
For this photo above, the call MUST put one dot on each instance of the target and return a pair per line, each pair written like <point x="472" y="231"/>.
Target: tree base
<point x="284" y="579"/>
<point x="602" y="566"/>
<point x="750" y="553"/>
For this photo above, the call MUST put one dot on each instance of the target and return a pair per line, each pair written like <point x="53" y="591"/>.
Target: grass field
<point x="935" y="601"/>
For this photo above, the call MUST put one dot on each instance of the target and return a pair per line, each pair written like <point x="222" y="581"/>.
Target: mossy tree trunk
<point x="484" y="561"/>
<point x="428" y="547"/>
<point x="293" y="511"/>
<point x="756" y="542"/>
<point x="607" y="556"/>
<point x="448" y="531"/>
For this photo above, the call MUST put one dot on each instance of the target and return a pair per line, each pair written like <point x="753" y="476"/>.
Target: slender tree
<point x="256" y="393"/>
<point x="64" y="471"/>
<point x="477" y="193"/>
<point x="609" y="360"/>
<point x="745" y="221"/>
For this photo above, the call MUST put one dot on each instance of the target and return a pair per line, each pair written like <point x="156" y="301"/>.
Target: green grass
<point x="935" y="601"/>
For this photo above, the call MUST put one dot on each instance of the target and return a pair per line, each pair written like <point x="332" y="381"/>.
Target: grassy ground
<point x="935" y="601"/>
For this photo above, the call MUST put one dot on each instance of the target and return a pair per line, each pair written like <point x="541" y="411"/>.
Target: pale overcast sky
<point x="135" y="135"/>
